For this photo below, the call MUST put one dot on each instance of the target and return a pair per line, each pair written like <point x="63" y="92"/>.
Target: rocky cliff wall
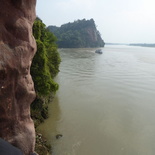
<point x="17" y="48"/>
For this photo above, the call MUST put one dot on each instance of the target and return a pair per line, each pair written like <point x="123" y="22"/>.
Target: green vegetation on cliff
<point x="80" y="33"/>
<point x="44" y="68"/>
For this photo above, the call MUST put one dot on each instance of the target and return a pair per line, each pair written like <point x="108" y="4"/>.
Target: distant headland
<point x="78" y="34"/>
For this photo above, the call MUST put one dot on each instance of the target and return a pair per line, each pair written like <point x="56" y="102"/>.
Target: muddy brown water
<point x="105" y="104"/>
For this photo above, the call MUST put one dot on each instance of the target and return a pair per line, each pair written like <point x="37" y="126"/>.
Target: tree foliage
<point x="44" y="68"/>
<point x="46" y="62"/>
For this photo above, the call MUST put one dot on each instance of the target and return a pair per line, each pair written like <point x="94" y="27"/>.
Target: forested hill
<point x="80" y="33"/>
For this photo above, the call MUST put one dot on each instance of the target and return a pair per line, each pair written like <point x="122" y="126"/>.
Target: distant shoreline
<point x="135" y="44"/>
<point x="143" y="45"/>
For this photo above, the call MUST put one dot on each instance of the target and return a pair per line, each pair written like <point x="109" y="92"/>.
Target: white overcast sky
<point x="119" y="21"/>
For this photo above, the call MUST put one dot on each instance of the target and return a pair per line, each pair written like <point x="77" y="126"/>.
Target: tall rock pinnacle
<point x="17" y="48"/>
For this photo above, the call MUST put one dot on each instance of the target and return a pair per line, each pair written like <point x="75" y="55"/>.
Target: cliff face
<point x="17" y="48"/>
<point x="94" y="37"/>
<point x="81" y="33"/>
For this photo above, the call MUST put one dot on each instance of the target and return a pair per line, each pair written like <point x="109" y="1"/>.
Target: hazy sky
<point x="119" y="21"/>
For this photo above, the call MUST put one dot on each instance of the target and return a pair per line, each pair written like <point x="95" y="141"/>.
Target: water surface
<point x="105" y="104"/>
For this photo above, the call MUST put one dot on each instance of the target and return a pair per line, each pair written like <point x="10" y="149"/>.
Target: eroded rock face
<point x="17" y="48"/>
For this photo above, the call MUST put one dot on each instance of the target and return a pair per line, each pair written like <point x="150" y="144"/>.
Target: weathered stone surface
<point x="17" y="48"/>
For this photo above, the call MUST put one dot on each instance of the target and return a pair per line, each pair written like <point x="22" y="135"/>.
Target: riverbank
<point x="39" y="113"/>
<point x="42" y="147"/>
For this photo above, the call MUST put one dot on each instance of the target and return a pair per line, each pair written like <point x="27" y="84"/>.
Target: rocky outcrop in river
<point x="17" y="48"/>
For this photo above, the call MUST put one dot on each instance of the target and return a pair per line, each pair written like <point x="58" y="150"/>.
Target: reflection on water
<point x="105" y="104"/>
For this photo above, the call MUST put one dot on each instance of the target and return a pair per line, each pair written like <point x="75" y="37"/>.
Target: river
<point x="105" y="104"/>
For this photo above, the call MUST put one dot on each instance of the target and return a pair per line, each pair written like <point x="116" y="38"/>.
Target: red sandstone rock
<point x="17" y="48"/>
